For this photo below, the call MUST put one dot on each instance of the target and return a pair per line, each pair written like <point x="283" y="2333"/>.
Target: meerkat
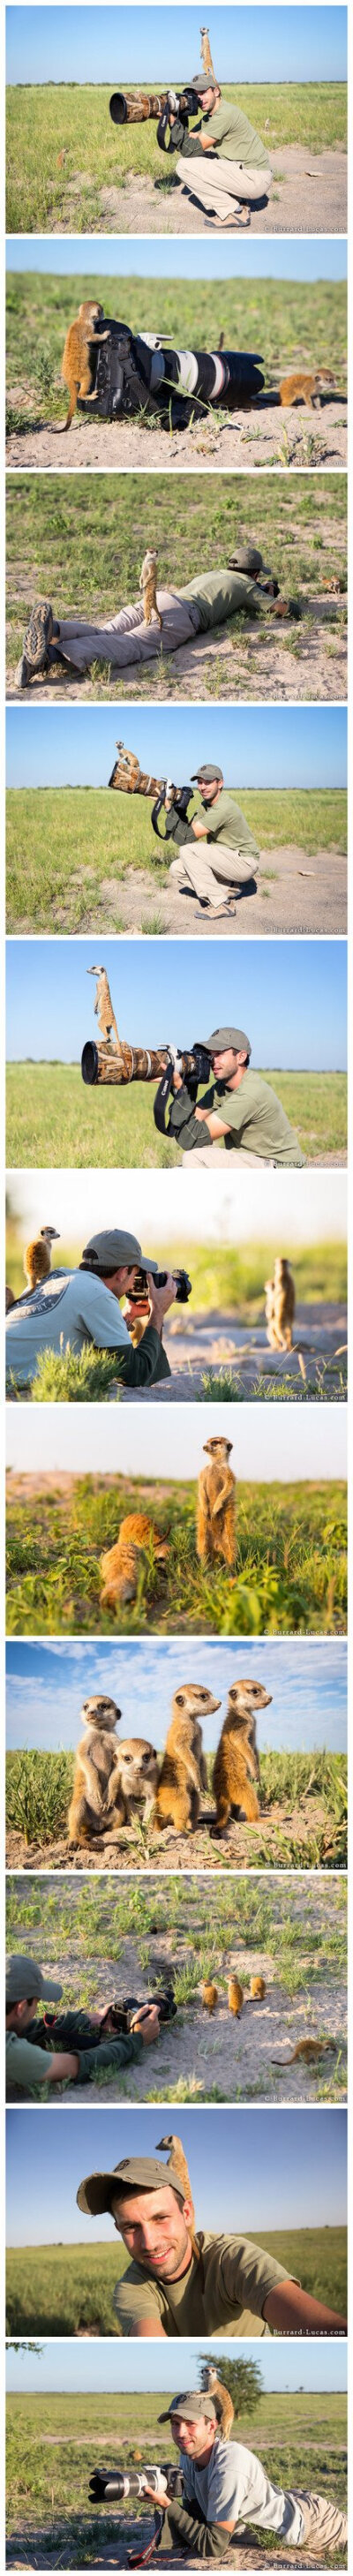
<point x="222" y="2400"/>
<point x="148" y="586"/>
<point x="209" y="1998"/>
<point x="103" y="1006"/>
<point x="183" y="1772"/>
<point x="306" y="389"/>
<point x="95" y="1762"/>
<point x="120" y="1564"/>
<point x="206" y="56"/>
<point x="133" y="1782"/>
<point x="258" y="1989"/>
<point x="237" y="1755"/>
<point x="235" y="1996"/>
<point x="216" y="1505"/>
<point x="310" y="2049"/>
<point x="177" y="2158"/>
<point x="280" y="1306"/>
<point x="76" y="369"/>
<point x="37" y="1257"/>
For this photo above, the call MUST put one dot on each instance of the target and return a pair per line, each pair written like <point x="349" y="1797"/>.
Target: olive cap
<point x="247" y="559"/>
<point x="25" y="1979"/>
<point x="146" y="2173"/>
<point x="208" y="770"/>
<point x="203" y="80"/>
<point x="193" y="2405"/>
<point x="116" y="1250"/>
<point x="223" y="1038"/>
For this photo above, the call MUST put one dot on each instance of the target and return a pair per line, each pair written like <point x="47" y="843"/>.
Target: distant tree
<point x="244" y="2381"/>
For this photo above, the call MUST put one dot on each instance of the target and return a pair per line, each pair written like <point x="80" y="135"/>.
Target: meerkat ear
<point x="181" y="1696"/>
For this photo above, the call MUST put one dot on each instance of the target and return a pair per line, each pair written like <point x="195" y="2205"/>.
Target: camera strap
<point x="162" y="1098"/>
<point x="140" y="2557"/>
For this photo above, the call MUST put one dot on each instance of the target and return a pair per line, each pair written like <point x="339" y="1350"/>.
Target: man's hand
<point x="158" y="2495"/>
<point x="291" y="2310"/>
<point x="160" y="1299"/>
<point x="146" y="2022"/>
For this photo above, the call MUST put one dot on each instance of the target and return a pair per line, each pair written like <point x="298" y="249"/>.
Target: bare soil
<point x="217" y="1342"/>
<point x="309" y="195"/>
<point x="241" y="1847"/>
<point x="280" y="661"/>
<point x="36" y="2552"/>
<point x="269" y="436"/>
<point x="294" y="895"/>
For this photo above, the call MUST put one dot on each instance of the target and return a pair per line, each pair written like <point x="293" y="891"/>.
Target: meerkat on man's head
<point x="76" y="370"/>
<point x="183" y="1772"/>
<point x="37" y="1257"/>
<point x="148" y="585"/>
<point x="206" y="56"/>
<point x="120" y="1564"/>
<point x="177" y="2158"/>
<point x="95" y="1762"/>
<point x="222" y="2400"/>
<point x="280" y="1306"/>
<point x="216" y="1504"/>
<point x="236" y="1764"/>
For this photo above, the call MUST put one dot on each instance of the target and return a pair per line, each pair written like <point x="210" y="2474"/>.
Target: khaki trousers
<point x="219" y="184"/>
<point x="124" y="638"/>
<point x="216" y="1154"/>
<point x="325" y="2527"/>
<point x="205" y="865"/>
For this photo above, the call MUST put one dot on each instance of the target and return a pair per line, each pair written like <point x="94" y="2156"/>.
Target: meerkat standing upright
<point x="236" y="1764"/>
<point x="148" y="585"/>
<point x="216" y="1505"/>
<point x="183" y="1772"/>
<point x="95" y="1763"/>
<point x="37" y="1257"/>
<point x="206" y="56"/>
<point x="222" y="2400"/>
<point x="103" y="1006"/>
<point x="81" y="339"/>
<point x="177" y="2158"/>
<point x="280" y="1306"/>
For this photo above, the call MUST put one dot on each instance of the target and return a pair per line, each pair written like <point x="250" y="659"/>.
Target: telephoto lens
<point x="105" y="2485"/>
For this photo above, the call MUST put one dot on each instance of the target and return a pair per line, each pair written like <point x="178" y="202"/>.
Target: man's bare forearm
<point x="291" y="2310"/>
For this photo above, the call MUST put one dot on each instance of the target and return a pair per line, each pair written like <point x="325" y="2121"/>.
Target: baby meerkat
<point x="236" y="1764"/>
<point x="222" y="2400"/>
<point x="177" y="2158"/>
<point x="133" y="1782"/>
<point x="120" y="1564"/>
<point x="306" y="389"/>
<point x="209" y="1998"/>
<point x="235" y="1996"/>
<point x="95" y="1763"/>
<point x="37" y="1257"/>
<point x="76" y="369"/>
<point x="310" y="2049"/>
<point x="258" y="1989"/>
<point x="183" y="1772"/>
<point x="280" y="1306"/>
<point x="216" y="1504"/>
<point x="148" y="585"/>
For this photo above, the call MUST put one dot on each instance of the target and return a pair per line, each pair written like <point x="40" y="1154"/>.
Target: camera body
<point x="182" y="1289"/>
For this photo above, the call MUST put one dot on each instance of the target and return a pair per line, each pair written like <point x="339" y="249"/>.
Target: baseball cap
<point x="202" y="81"/>
<point x="222" y="1038"/>
<point x="24" y="1978"/>
<point x="145" y="2172"/>
<point x="114" y="1250"/>
<point x="247" y="559"/>
<point x="208" y="770"/>
<point x="191" y="2406"/>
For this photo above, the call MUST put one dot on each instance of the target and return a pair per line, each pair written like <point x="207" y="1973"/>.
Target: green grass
<point x="52" y="1118"/>
<point x="61" y="2289"/>
<point x="291" y="325"/>
<point x="80" y="539"/>
<point x="43" y="121"/>
<point x="39" y="1788"/>
<point x="222" y="1277"/>
<point x="62" y="844"/>
<point x="289" y="1577"/>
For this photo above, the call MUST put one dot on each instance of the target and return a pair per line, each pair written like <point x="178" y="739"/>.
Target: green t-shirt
<point x="26" y="2064"/>
<point x="233" y="136"/>
<point x="225" y="822"/>
<point x="219" y="595"/>
<point x="253" y="1113"/>
<point x="237" y="2280"/>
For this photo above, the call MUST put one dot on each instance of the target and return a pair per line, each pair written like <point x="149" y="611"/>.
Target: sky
<point x="88" y="1440"/>
<point x="302" y="747"/>
<point x="289" y="1204"/>
<point x="121" y="45"/>
<point x="66" y="2367"/>
<point x="47" y="1684"/>
<point x="249" y="2170"/>
<point x="294" y="1012"/>
<point x="302" y="261"/>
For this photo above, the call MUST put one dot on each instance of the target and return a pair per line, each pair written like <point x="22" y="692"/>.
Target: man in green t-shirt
<point x="29" y="2062"/>
<point x="218" y="849"/>
<point x="223" y="162"/>
<point x="240" y="1112"/>
<point x="180" y="2284"/>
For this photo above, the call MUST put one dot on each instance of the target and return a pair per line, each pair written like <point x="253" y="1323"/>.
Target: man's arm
<point x="147" y="2328"/>
<point x="291" y="2310"/>
<point x="57" y="2067"/>
<point x="216" y="1126"/>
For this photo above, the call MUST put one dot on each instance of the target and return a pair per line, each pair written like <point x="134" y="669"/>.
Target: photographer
<point x="176" y="2284"/>
<point x="199" y="605"/>
<point x="217" y="845"/>
<point x="76" y="1307"/>
<point x="239" y="1107"/>
<point x="225" y="2486"/>
<point x="237" y="173"/>
<point x="33" y="2057"/>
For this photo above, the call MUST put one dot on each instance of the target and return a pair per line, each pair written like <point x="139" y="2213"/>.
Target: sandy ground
<point x="309" y="195"/>
<point x="295" y="895"/>
<point x="269" y="437"/>
<point x="241" y="1847"/>
<point x="280" y="660"/>
<point x="195" y="1344"/>
<point x="29" y="2549"/>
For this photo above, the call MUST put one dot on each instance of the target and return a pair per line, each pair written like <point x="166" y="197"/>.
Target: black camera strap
<point x="162" y="1098"/>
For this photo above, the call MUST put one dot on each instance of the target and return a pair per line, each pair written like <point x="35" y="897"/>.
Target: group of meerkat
<point x="235" y="1995"/>
<point x="117" y="1782"/>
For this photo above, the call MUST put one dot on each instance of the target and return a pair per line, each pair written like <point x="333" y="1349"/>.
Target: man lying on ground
<point x="225" y="2486"/>
<point x="179" y="2284"/>
<point x="195" y="609"/>
<point x="31" y="2061"/>
<point x="73" y="1308"/>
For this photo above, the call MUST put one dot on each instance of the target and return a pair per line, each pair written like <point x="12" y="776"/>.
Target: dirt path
<point x="269" y="437"/>
<point x="195" y="1344"/>
<point x="296" y="894"/>
<point x="282" y="662"/>
<point x="309" y="195"/>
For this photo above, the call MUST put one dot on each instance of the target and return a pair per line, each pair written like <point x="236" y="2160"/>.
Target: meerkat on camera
<point x="216" y="1504"/>
<point x="177" y="2158"/>
<point x="280" y="1306"/>
<point x="183" y="1773"/>
<point x="148" y="586"/>
<point x="95" y="1764"/>
<point x="222" y="2400"/>
<point x="120" y="1565"/>
<point x="236" y="1764"/>
<point x="76" y="370"/>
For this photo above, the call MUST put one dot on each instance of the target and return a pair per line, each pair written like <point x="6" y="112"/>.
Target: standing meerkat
<point x="209" y="1998"/>
<point x="120" y="1565"/>
<point x="103" y="1006"/>
<point x="177" y="2158"/>
<point x="222" y="2400"/>
<point x="148" y="586"/>
<point x="236" y="1764"/>
<point x="306" y="389"/>
<point x="183" y="1772"/>
<point x="280" y="1306"/>
<point x="37" y="1257"/>
<point x="258" y="1989"/>
<point x="76" y="370"/>
<point x="216" y="1504"/>
<point x="95" y="1763"/>
<point x="235" y="1997"/>
<point x="206" y="56"/>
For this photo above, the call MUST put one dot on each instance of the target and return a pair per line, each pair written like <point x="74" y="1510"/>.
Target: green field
<point x="51" y="2443"/>
<point x="61" y="2289"/>
<point x="290" y="325"/>
<point x="52" y="1119"/>
<point x="80" y="539"/>
<point x="290" y="1574"/>
<point x="61" y="844"/>
<point x="220" y="1276"/>
<point x="43" y="122"/>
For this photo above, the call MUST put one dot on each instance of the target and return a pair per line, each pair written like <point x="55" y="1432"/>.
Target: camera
<point x="106" y="2484"/>
<point x="183" y="1286"/>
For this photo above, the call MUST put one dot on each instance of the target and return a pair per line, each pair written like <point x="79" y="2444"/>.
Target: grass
<point x="61" y="2289"/>
<point x="223" y="1277"/>
<point x="43" y="121"/>
<point x="289" y="1578"/>
<point x="62" y="843"/>
<point x="53" y="1118"/>
<point x="80" y="539"/>
<point x="292" y="325"/>
<point x="39" y="1788"/>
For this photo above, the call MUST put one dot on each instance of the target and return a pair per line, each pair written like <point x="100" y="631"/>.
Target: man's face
<point x="23" y="2013"/>
<point x="207" y="99"/>
<point x="155" y="2227"/>
<point x="224" y="1065"/>
<point x="209" y="788"/>
<point x="194" y="2438"/>
<point x="121" y="1282"/>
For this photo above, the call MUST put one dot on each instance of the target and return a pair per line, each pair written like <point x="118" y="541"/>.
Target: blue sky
<point x="66" y="2367"/>
<point x="121" y="45"/>
<point x="47" y="1684"/>
<point x="85" y="1440"/>
<point x="255" y="746"/>
<point x="294" y="1013"/>
<point x="299" y="260"/>
<point x="248" y="2169"/>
